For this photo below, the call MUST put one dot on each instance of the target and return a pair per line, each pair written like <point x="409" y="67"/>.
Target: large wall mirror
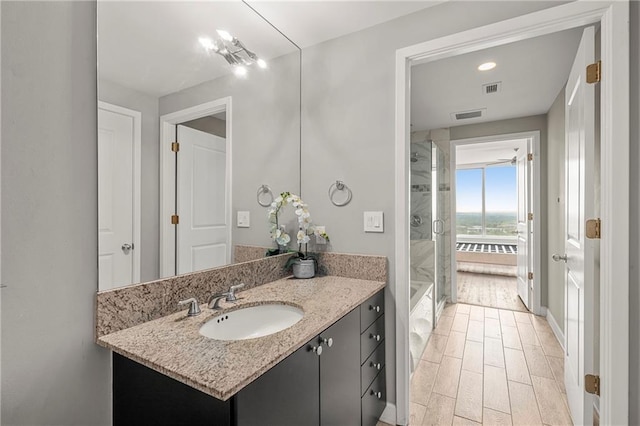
<point x="219" y="80"/>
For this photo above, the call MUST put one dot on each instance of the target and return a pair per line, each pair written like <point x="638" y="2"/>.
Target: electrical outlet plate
<point x="373" y="222"/>
<point x="244" y="219"/>
<point x="319" y="239"/>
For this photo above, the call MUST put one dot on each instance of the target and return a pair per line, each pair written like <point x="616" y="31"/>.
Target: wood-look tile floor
<point x="490" y="366"/>
<point x="496" y="291"/>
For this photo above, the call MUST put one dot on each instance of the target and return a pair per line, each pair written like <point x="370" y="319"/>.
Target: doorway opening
<point x="614" y="173"/>
<point x="195" y="151"/>
<point x="493" y="204"/>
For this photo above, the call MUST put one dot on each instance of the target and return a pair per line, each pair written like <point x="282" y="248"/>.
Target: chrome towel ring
<point x="263" y="192"/>
<point x="339" y="186"/>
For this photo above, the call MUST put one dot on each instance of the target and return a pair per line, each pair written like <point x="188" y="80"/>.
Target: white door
<point x="118" y="140"/>
<point x="579" y="181"/>
<point x="524" y="226"/>
<point x="203" y="201"/>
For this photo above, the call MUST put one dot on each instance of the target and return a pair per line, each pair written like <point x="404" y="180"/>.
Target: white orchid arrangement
<point x="305" y="227"/>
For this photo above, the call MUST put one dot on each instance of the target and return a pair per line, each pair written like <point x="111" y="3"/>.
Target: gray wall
<point x="147" y="105"/>
<point x="516" y="125"/>
<point x="555" y="208"/>
<point x="53" y="373"/>
<point x="265" y="137"/>
<point x="211" y="125"/>
<point x="348" y="114"/>
<point x="634" y="235"/>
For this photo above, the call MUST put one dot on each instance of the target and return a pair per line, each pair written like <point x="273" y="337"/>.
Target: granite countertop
<point x="173" y="346"/>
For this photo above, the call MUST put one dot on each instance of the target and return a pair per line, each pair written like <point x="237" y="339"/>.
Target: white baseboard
<point x="556" y="329"/>
<point x="389" y="414"/>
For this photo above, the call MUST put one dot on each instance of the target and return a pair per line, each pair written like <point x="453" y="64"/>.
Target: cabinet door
<point x="340" y="372"/>
<point x="287" y="394"/>
<point x="142" y="396"/>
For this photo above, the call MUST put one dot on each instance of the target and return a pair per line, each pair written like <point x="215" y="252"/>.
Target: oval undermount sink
<point x="251" y="322"/>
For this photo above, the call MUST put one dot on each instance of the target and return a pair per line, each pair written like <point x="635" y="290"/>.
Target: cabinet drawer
<point x="371" y="310"/>
<point x="374" y="400"/>
<point x="371" y="368"/>
<point x="371" y="338"/>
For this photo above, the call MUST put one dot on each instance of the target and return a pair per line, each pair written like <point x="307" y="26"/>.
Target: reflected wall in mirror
<point x="161" y="81"/>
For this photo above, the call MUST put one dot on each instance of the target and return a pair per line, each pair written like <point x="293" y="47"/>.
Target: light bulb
<point x="207" y="43"/>
<point x="240" y="71"/>
<point x="487" y="66"/>
<point x="225" y="35"/>
<point x="261" y="63"/>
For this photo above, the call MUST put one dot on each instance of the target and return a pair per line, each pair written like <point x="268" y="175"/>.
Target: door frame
<point x="613" y="17"/>
<point x="136" y="116"/>
<point x="535" y="252"/>
<point x="168" y="176"/>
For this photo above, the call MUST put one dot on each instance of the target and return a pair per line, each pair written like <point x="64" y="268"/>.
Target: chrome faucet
<point x="229" y="296"/>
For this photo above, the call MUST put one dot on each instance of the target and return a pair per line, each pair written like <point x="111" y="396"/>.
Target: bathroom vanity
<point x="328" y="368"/>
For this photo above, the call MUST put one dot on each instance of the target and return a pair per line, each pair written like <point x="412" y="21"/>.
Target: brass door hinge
<point x="530" y="276"/>
<point x="592" y="384"/>
<point x="530" y="157"/>
<point x="530" y="216"/>
<point x="593" y="227"/>
<point x="175" y="219"/>
<point x="175" y="147"/>
<point x="594" y="73"/>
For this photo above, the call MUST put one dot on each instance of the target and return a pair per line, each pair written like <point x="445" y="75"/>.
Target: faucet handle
<point x="231" y="295"/>
<point x="233" y="288"/>
<point x="194" y="308"/>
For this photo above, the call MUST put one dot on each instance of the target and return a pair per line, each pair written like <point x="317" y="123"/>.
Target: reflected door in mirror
<point x="203" y="196"/>
<point x="117" y="143"/>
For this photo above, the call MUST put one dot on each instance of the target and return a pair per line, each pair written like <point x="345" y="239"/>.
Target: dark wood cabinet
<point x="339" y="383"/>
<point x="287" y="394"/>
<point x="340" y="373"/>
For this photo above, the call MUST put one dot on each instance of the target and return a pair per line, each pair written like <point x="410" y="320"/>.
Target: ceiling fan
<point x="513" y="160"/>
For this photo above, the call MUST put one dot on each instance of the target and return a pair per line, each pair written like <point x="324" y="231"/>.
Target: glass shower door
<point x="441" y="233"/>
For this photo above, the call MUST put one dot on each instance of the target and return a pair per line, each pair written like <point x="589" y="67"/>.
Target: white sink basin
<point x="251" y="322"/>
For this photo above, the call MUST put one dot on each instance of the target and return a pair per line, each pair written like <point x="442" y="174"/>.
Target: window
<point x="486" y="202"/>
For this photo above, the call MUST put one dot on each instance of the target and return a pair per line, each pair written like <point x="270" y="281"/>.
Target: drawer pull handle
<point x="377" y="394"/>
<point x="328" y="342"/>
<point x="377" y="366"/>
<point x="317" y="350"/>
<point x="377" y="337"/>
<point x="374" y="308"/>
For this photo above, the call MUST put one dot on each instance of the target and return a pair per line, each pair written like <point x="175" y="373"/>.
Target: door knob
<point x="558" y="258"/>
<point x="126" y="248"/>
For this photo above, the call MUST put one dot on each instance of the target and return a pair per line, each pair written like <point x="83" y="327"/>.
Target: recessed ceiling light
<point x="487" y="66"/>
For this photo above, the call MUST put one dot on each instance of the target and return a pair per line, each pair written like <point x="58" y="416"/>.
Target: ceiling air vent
<point x="491" y="88"/>
<point x="465" y="115"/>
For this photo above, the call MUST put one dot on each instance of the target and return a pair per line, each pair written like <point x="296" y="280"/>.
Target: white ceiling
<point x="532" y="73"/>
<point x="152" y="46"/>
<point x="311" y="22"/>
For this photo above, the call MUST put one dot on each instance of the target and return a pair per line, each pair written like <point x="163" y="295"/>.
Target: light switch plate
<point x="373" y="222"/>
<point x="244" y="219"/>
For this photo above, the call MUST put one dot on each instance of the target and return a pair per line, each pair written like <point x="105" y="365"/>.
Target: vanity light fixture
<point x="486" y="66"/>
<point x="233" y="51"/>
